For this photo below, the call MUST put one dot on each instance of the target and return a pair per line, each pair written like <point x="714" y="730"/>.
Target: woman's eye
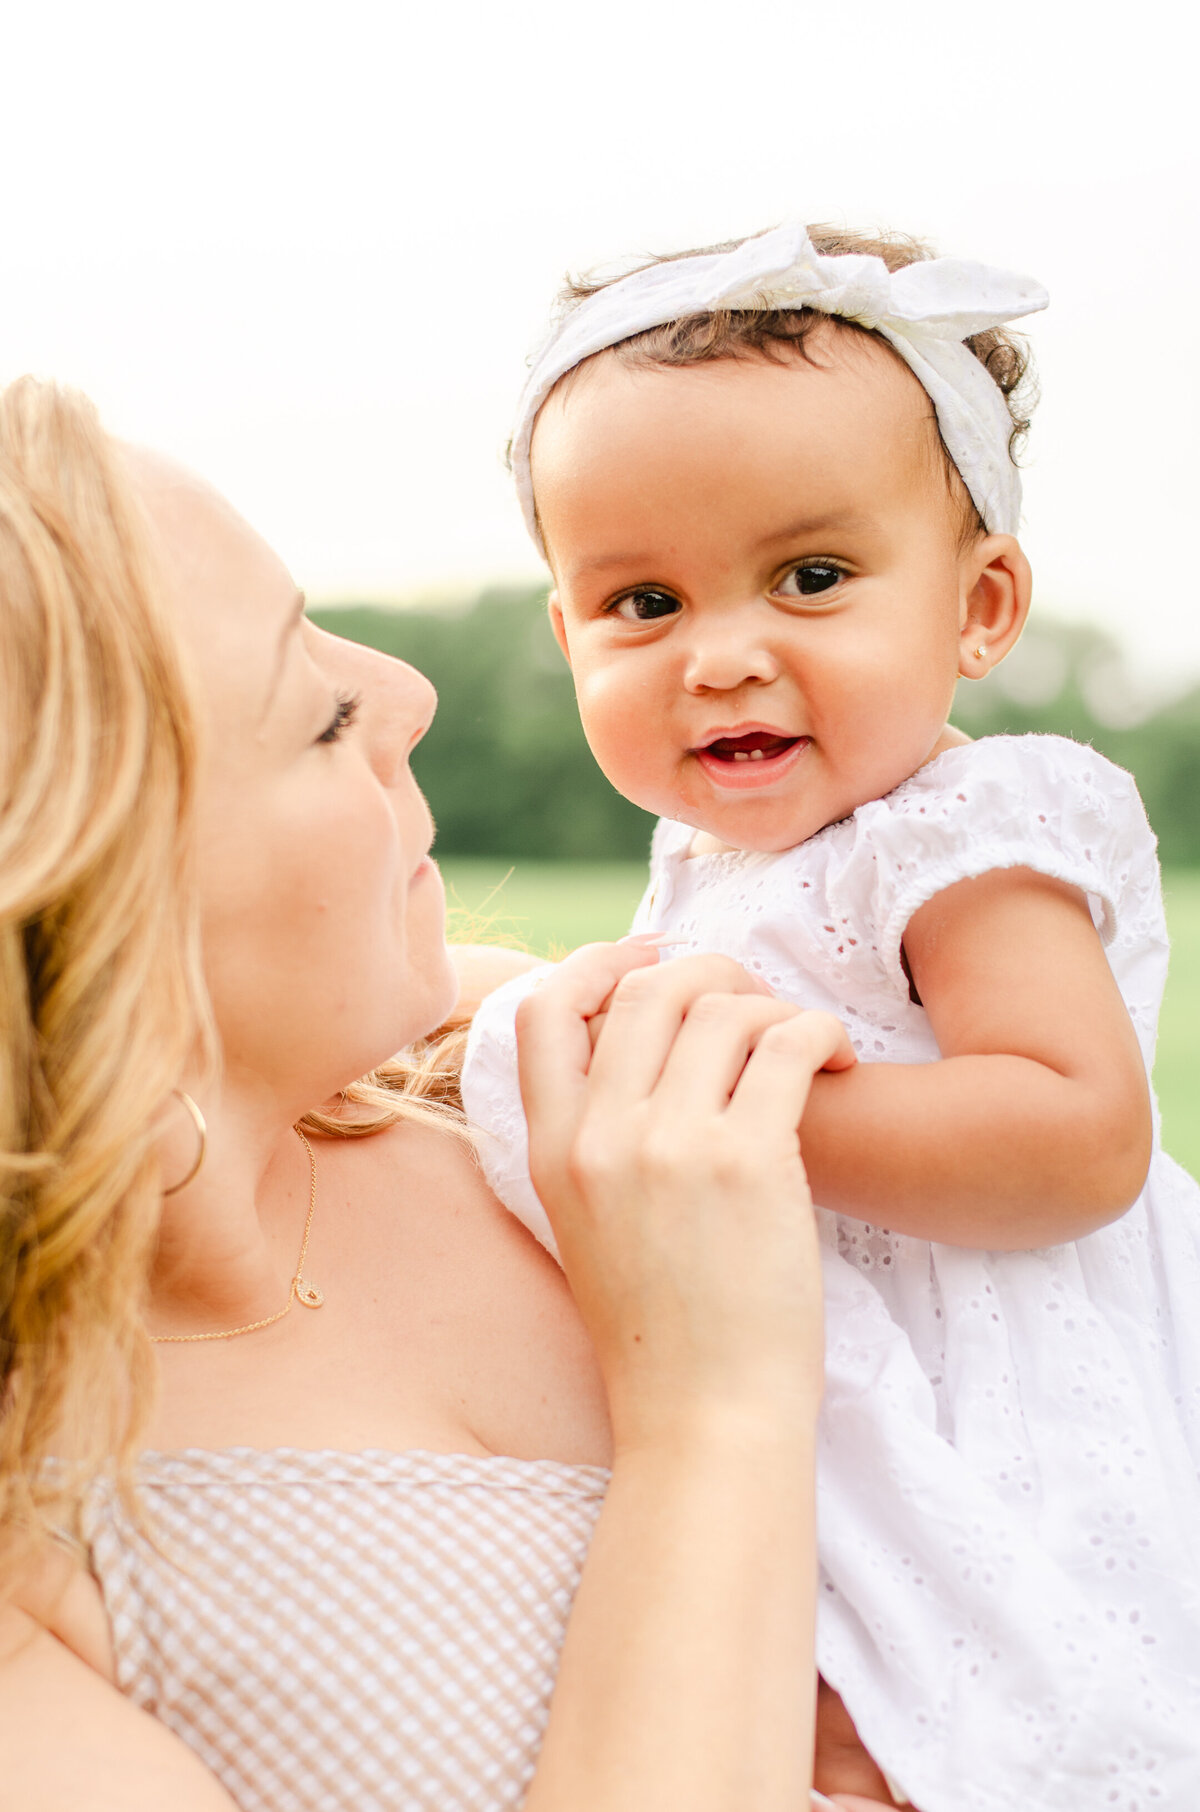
<point x="810" y="580"/>
<point x="645" y="606"/>
<point x="343" y="717"/>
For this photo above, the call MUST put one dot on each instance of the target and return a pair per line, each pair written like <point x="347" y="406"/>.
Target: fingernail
<point x="650" y="940"/>
<point x="821" y="1804"/>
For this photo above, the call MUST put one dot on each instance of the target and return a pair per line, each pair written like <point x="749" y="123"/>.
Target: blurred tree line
<point x="508" y="773"/>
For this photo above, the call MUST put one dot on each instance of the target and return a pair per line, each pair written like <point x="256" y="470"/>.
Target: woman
<point x="365" y="1509"/>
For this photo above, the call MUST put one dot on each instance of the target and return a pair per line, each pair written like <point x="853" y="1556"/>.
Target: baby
<point x="775" y="488"/>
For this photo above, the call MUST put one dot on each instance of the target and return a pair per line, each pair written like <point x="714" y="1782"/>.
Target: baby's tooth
<point x="756" y="754"/>
<point x="740" y="755"/>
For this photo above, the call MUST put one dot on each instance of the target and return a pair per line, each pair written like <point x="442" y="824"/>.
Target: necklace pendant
<point x="308" y="1293"/>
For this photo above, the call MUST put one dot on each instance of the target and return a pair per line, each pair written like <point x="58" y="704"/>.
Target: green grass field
<point x="1177" y="1072"/>
<point x="551" y="907"/>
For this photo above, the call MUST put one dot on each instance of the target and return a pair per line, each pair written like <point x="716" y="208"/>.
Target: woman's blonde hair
<point x="101" y="1003"/>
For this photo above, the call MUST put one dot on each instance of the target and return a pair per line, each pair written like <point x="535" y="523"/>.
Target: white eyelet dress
<point x="1009" y="1470"/>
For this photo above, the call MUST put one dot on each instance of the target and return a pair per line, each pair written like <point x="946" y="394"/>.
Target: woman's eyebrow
<point x="286" y="631"/>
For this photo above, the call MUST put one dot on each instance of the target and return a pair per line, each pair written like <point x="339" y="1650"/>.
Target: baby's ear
<point x="558" y="625"/>
<point x="996" y="588"/>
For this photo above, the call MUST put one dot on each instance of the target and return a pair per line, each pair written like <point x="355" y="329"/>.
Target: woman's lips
<point x="753" y="759"/>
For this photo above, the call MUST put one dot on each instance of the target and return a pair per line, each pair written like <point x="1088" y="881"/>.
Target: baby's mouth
<point x="756" y="745"/>
<point x="755" y="758"/>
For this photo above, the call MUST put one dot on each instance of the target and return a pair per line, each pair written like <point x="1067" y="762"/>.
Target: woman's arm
<point x="72" y="1743"/>
<point x="1035" y="1126"/>
<point x="671" y="1169"/>
<point x="687" y="1675"/>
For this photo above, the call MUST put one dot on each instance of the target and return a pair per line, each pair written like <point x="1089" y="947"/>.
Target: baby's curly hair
<point x="738" y="333"/>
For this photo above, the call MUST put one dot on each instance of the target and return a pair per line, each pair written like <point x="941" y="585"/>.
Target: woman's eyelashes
<point x="343" y="716"/>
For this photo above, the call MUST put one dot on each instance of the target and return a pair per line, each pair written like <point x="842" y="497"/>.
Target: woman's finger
<point x="711" y="1049"/>
<point x="553" y="1047"/>
<point x="644" y="1017"/>
<point x="773" y="1088"/>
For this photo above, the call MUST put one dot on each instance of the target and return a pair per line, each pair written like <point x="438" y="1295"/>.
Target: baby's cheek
<point x="625" y="718"/>
<point x="643" y="772"/>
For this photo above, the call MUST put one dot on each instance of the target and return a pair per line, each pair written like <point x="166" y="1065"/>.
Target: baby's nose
<point x="723" y="657"/>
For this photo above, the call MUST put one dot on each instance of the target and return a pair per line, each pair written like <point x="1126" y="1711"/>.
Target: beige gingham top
<point x="338" y="1632"/>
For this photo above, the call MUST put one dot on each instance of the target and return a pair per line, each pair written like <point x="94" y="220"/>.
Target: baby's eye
<point x="809" y="580"/>
<point x="644" y="606"/>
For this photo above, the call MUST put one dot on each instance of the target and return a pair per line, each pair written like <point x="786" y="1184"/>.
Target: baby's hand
<point x="739" y="980"/>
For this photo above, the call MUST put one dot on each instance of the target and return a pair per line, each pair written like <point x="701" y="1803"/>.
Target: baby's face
<point x="760" y="583"/>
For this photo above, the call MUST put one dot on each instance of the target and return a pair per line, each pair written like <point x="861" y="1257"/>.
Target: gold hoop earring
<point x="198" y="1121"/>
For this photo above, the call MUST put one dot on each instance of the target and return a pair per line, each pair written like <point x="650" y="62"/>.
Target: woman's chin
<point x="432" y="999"/>
<point x="429" y="991"/>
<point x="450" y="991"/>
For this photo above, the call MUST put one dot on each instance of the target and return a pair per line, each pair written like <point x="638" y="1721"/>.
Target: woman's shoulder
<point x="420" y="1188"/>
<point x="414" y="1181"/>
<point x="463" y="1295"/>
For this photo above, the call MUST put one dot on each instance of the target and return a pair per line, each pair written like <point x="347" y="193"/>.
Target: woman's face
<point x="322" y="913"/>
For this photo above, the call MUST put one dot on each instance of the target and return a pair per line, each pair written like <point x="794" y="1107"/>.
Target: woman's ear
<point x="996" y="587"/>
<point x="558" y="625"/>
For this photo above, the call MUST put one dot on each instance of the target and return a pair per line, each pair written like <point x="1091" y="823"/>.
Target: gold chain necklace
<point x="301" y="1290"/>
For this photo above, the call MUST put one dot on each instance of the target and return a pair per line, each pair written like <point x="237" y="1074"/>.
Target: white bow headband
<point x="924" y="310"/>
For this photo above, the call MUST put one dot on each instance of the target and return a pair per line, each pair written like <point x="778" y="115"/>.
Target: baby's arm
<point x="1035" y="1126"/>
<point x="482" y="968"/>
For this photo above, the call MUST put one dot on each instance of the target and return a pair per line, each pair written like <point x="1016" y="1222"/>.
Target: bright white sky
<point x="306" y="247"/>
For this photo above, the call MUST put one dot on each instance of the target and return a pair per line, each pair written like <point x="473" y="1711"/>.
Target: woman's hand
<point x="670" y="1165"/>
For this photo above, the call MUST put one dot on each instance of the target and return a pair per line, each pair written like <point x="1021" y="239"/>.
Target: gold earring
<point x="979" y="652"/>
<point x="198" y="1121"/>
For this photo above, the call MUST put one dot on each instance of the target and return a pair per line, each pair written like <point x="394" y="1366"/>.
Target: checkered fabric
<point x="341" y="1632"/>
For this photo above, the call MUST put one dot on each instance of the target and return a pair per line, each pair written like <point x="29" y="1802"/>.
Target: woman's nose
<point x="726" y="654"/>
<point x="399" y="704"/>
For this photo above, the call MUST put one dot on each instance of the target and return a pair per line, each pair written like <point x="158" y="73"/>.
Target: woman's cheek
<point x="365" y="884"/>
<point x="359" y="818"/>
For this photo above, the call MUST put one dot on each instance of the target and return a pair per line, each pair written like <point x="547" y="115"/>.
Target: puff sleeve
<point x="492" y="1100"/>
<point x="1037" y="802"/>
